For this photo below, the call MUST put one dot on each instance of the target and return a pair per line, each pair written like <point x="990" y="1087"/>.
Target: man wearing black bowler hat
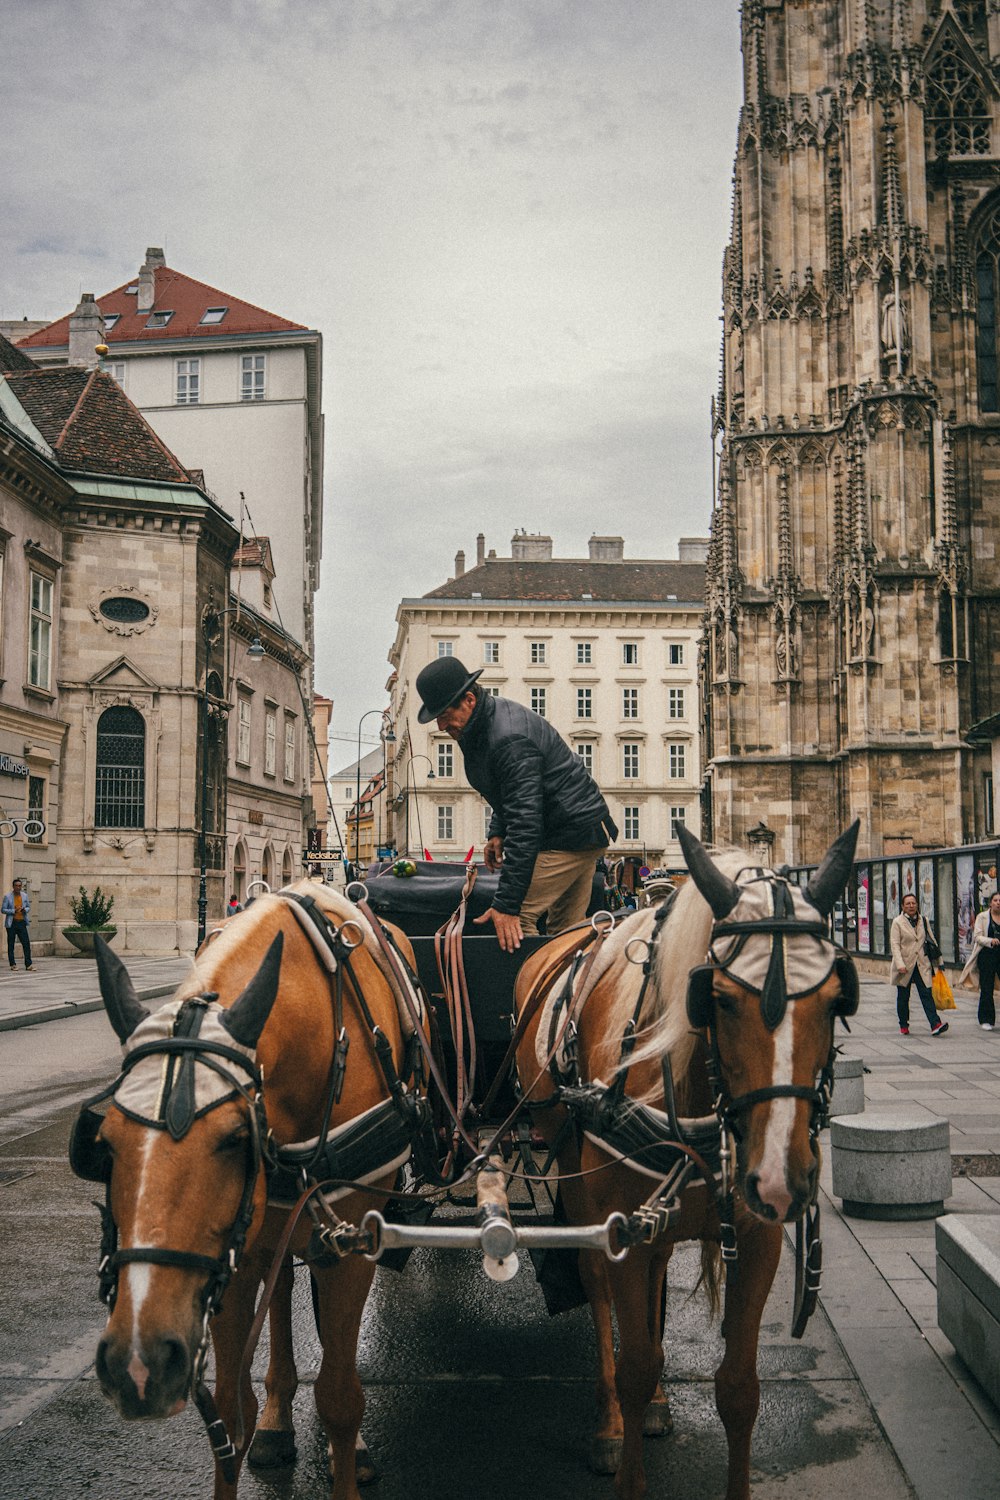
<point x="550" y="824"/>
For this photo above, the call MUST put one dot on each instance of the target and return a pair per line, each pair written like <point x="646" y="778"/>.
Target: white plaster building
<point x="234" y="391"/>
<point x="606" y="649"/>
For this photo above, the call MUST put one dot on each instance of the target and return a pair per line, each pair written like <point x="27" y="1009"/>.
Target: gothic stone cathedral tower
<point x="853" y="627"/>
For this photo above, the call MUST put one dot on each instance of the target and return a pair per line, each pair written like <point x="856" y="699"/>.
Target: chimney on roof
<point x="86" y="331"/>
<point x="530" y="548"/>
<point x="459" y="564"/>
<point x="692" y="549"/>
<point x="607" y="548"/>
<point x="480" y="550"/>
<point x="147" y="279"/>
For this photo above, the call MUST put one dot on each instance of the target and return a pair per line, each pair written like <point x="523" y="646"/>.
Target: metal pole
<point x="357" y="797"/>
<point x="357" y="801"/>
<point x="203" y="840"/>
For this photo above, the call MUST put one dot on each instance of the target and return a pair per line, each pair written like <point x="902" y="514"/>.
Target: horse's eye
<point x="726" y="1003"/>
<point x="235" y="1142"/>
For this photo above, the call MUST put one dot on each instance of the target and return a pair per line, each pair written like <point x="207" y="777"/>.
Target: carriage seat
<point x="421" y="903"/>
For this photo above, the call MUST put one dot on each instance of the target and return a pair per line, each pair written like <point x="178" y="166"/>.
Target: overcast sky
<point x="506" y="217"/>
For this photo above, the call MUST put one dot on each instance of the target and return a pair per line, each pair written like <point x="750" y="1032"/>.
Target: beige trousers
<point x="560" y="885"/>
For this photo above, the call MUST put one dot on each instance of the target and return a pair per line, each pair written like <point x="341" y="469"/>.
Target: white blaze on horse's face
<point x="775" y="1155"/>
<point x="180" y="1195"/>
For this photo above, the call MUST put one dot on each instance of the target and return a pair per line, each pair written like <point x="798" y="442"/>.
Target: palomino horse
<point x="738" y="1052"/>
<point x="280" y="1062"/>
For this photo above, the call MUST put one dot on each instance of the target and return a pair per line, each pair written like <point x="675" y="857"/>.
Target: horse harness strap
<point x="590" y="938"/>
<point x="177" y="1107"/>
<point x="394" y="958"/>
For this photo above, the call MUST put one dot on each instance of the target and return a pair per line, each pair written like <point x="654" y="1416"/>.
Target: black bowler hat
<point x="440" y="684"/>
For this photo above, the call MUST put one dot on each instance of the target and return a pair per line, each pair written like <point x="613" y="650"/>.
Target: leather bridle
<point x="89" y="1160"/>
<point x="730" y="1111"/>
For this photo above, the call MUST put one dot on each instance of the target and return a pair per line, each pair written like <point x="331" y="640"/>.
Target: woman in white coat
<point x="910" y="965"/>
<point x="985" y="957"/>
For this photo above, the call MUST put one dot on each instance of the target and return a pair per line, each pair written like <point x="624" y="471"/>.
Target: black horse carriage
<point x="682" y="1099"/>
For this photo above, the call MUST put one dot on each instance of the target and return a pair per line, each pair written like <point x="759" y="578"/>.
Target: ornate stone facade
<point x="852" y="633"/>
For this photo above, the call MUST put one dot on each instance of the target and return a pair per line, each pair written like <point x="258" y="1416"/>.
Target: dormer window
<point x="214" y="315"/>
<point x="110" y="320"/>
<point x="159" y="319"/>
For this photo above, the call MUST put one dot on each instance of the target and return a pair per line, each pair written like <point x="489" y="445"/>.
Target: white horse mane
<point x="682" y="945"/>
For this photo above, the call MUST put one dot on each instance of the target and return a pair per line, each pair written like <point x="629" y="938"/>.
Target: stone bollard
<point x="968" y="1292"/>
<point x="891" y="1166"/>
<point x="848" y="1095"/>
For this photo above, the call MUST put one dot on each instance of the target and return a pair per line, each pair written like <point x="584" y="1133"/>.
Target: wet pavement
<point x="473" y="1391"/>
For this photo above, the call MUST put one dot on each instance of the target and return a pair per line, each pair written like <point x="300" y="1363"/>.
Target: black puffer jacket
<point x="542" y="795"/>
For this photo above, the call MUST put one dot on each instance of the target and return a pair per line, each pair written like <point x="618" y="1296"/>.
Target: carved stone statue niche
<point x="737" y="341"/>
<point x="894" y="328"/>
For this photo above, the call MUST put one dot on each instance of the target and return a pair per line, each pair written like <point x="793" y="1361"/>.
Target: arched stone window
<point x="287" y="868"/>
<point x="267" y="867"/>
<point x="240" y="871"/>
<point x="120" y="789"/>
<point x="987" y="298"/>
<point x="956" y="113"/>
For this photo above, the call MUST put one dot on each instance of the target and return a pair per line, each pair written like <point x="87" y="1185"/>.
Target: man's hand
<point x="493" y="853"/>
<point x="508" y="927"/>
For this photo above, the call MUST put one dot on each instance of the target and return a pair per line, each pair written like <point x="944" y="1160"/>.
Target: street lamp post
<point x="387" y="737"/>
<point x="412" y="778"/>
<point x="211" y="622"/>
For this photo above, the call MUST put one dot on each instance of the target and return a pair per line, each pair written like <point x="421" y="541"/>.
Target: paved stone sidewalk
<point x="59" y="987"/>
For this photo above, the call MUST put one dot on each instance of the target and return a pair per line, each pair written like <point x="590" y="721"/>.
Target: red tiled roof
<point x="11" y="357"/>
<point x="566" y="579"/>
<point x="186" y="298"/>
<point x="254" y="553"/>
<point x="93" y="426"/>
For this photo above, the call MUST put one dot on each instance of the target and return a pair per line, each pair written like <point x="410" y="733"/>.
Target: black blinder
<point x="700" y="1001"/>
<point x="849" y="992"/>
<point x="88" y="1156"/>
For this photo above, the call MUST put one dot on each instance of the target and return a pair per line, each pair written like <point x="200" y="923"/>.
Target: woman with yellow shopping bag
<point x="941" y="992"/>
<point x="909" y="938"/>
<point x="985" y="957"/>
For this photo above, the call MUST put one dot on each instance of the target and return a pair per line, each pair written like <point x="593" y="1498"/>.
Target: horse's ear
<point x="246" y="1017"/>
<point x="828" y="882"/>
<point x="719" y="891"/>
<point x="120" y="999"/>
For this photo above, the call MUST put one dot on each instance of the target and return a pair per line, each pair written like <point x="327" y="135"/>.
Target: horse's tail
<point x="710" y="1279"/>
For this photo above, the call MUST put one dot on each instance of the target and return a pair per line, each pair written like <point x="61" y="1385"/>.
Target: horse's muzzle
<point x="145" y="1383"/>
<point x="783" y="1204"/>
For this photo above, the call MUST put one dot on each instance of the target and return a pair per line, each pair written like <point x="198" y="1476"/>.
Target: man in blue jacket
<point x="15" y="908"/>
<point x="550" y="824"/>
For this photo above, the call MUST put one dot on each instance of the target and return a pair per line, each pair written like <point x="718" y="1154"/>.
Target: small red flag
<point x="428" y="856"/>
<point x="472" y="850"/>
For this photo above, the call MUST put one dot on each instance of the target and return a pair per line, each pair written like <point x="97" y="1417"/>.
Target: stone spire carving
<point x="950" y="563"/>
<point x="754" y="46"/>
<point x="785" y="589"/>
<point x="860" y="588"/>
<point x="725" y="585"/>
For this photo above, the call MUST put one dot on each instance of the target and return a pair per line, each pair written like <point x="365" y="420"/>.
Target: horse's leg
<point x="658" y="1422"/>
<point x="640" y="1362"/>
<point x="737" y="1387"/>
<point x="606" y="1444"/>
<point x="274" y="1441"/>
<point x="230" y="1328"/>
<point x="342" y="1291"/>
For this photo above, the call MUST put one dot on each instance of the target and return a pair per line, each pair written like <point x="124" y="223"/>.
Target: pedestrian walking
<point x="234" y="906"/>
<point x="985" y="957"/>
<point x="912" y="944"/>
<point x="16" y="907"/>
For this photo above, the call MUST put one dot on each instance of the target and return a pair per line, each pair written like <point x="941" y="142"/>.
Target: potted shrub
<point x="91" y="913"/>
